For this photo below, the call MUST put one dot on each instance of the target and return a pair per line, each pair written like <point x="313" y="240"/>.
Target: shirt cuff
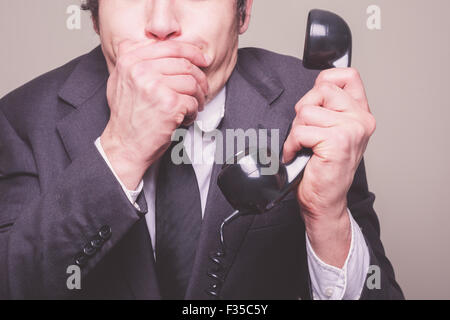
<point x="332" y="283"/>
<point x="132" y="195"/>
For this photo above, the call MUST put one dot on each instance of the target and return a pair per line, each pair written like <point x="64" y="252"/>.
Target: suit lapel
<point x="250" y="93"/>
<point x="85" y="94"/>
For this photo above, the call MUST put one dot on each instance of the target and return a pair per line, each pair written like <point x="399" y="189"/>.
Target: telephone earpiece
<point x="328" y="41"/>
<point x="328" y="44"/>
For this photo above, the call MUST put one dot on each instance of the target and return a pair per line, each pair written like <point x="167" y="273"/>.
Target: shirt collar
<point x="209" y="119"/>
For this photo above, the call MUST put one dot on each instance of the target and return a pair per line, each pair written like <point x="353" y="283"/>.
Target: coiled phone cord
<point x="216" y="257"/>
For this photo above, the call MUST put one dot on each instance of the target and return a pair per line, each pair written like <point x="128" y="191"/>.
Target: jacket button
<point x="105" y="232"/>
<point x="97" y="242"/>
<point x="81" y="260"/>
<point x="89" y="250"/>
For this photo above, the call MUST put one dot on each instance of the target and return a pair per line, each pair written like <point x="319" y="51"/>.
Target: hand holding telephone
<point x="328" y="44"/>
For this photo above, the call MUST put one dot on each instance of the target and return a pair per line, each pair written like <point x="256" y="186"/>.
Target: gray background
<point x="405" y="69"/>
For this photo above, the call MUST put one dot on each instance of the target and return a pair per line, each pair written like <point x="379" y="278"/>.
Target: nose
<point x="162" y="20"/>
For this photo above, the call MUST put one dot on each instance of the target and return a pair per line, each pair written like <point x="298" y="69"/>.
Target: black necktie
<point x="178" y="223"/>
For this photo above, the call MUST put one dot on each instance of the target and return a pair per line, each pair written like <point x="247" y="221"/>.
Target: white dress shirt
<point x="328" y="282"/>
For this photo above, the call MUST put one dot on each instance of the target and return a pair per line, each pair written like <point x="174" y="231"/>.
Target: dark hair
<point x="92" y="6"/>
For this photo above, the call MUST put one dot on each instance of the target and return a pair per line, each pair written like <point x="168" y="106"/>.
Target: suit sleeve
<point x="360" y="203"/>
<point x="76" y="221"/>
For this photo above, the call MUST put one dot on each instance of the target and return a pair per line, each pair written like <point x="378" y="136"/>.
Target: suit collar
<point x="258" y="76"/>
<point x="88" y="77"/>
<point x="84" y="94"/>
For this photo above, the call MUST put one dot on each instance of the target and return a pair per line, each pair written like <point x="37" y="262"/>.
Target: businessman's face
<point x="212" y="25"/>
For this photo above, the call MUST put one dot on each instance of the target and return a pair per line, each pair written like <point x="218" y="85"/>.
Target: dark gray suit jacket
<point x="57" y="194"/>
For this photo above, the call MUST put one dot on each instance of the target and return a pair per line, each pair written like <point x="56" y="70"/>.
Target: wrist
<point x="318" y="222"/>
<point x="125" y="163"/>
<point x="330" y="236"/>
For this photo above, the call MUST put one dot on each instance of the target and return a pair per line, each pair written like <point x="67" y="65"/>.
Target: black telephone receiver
<point x="328" y="44"/>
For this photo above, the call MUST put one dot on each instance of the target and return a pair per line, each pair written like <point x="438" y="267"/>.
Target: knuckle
<point x="180" y="109"/>
<point x="342" y="139"/>
<point x="192" y="103"/>
<point x="359" y="130"/>
<point x="150" y="87"/>
<point x="353" y="73"/>
<point x="325" y="75"/>
<point x="372" y="124"/>
<point x="187" y="65"/>
<point x="191" y="84"/>
<point x="170" y="99"/>
<point x="298" y="107"/>
<point x="325" y="86"/>
<point x="305" y="112"/>
<point x="322" y="76"/>
<point x="297" y="134"/>
<point x="189" y="106"/>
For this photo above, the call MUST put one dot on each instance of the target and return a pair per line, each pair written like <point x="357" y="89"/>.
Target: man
<point x="87" y="179"/>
